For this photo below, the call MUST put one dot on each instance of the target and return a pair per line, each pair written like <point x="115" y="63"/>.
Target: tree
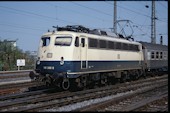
<point x="9" y="55"/>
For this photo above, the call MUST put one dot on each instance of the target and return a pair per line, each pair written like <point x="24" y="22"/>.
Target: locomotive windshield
<point x="63" y="41"/>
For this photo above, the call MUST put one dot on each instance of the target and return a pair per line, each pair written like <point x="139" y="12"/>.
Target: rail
<point x="17" y="71"/>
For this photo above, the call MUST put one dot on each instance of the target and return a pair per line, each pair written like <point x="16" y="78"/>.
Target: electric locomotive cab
<point x="59" y="54"/>
<point x="54" y="50"/>
<point x="55" y="56"/>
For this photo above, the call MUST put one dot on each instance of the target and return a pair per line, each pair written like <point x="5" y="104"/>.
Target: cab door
<point x="83" y="53"/>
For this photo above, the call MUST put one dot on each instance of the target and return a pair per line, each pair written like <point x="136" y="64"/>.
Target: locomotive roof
<point x="113" y="38"/>
<point x="154" y="46"/>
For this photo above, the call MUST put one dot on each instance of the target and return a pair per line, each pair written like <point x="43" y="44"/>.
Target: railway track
<point x="18" y="87"/>
<point x="129" y="102"/>
<point x="15" y="81"/>
<point x="149" y="99"/>
<point x="159" y="104"/>
<point x="14" y="76"/>
<point x="59" y="99"/>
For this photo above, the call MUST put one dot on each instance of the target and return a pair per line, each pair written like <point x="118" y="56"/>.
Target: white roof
<point x="111" y="37"/>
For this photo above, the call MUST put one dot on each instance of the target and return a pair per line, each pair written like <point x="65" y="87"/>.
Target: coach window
<point x="93" y="43"/>
<point x="160" y="55"/>
<point x="77" y="42"/>
<point x="102" y="43"/>
<point x="157" y="55"/>
<point x="45" y="41"/>
<point x="152" y="55"/>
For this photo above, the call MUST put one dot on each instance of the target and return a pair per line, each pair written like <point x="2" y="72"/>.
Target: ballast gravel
<point x="71" y="107"/>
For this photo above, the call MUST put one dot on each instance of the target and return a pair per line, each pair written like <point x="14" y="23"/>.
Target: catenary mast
<point x="153" y="24"/>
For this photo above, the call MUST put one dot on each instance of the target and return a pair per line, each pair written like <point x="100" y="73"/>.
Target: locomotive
<point x="76" y="57"/>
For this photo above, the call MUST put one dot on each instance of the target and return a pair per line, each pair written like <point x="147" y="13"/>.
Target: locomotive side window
<point x="102" y="44"/>
<point x="93" y="43"/>
<point x="63" y="41"/>
<point x="118" y="45"/>
<point x="77" y="42"/>
<point x="125" y="46"/>
<point x="45" y="41"/>
<point x="130" y="47"/>
<point x="133" y="47"/>
<point x="110" y="45"/>
<point x="136" y="47"/>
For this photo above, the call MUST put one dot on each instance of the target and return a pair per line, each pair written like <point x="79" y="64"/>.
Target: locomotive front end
<point x="54" y="59"/>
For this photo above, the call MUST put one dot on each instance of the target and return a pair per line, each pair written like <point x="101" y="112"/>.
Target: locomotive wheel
<point x="123" y="78"/>
<point x="48" y="81"/>
<point x="112" y="80"/>
<point x="103" y="81"/>
<point x="73" y="85"/>
<point x="65" y="84"/>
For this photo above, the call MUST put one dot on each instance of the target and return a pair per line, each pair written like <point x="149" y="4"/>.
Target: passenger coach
<point x="155" y="58"/>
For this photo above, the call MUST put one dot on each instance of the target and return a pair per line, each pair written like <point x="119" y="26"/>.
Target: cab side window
<point x="83" y="42"/>
<point x="77" y="42"/>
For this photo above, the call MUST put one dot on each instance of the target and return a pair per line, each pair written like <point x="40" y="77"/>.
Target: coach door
<point x="83" y="53"/>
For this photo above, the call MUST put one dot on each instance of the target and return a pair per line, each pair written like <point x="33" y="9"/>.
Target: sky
<point x="26" y="21"/>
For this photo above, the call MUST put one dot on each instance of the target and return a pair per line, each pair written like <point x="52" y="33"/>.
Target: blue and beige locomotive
<point x="77" y="57"/>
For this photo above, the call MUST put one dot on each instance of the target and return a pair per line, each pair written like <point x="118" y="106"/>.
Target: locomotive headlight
<point x="49" y="55"/>
<point x="62" y="61"/>
<point x="38" y="62"/>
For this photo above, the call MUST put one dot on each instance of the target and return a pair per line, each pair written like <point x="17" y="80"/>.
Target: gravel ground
<point x="71" y="107"/>
<point x="85" y="103"/>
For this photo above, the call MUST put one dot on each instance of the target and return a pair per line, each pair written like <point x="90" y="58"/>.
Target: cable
<point x="43" y="16"/>
<point x="19" y="32"/>
<point x="38" y="15"/>
<point x="135" y="11"/>
<point x="162" y="4"/>
<point x="19" y="27"/>
<point x="77" y="12"/>
<point x="91" y="8"/>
